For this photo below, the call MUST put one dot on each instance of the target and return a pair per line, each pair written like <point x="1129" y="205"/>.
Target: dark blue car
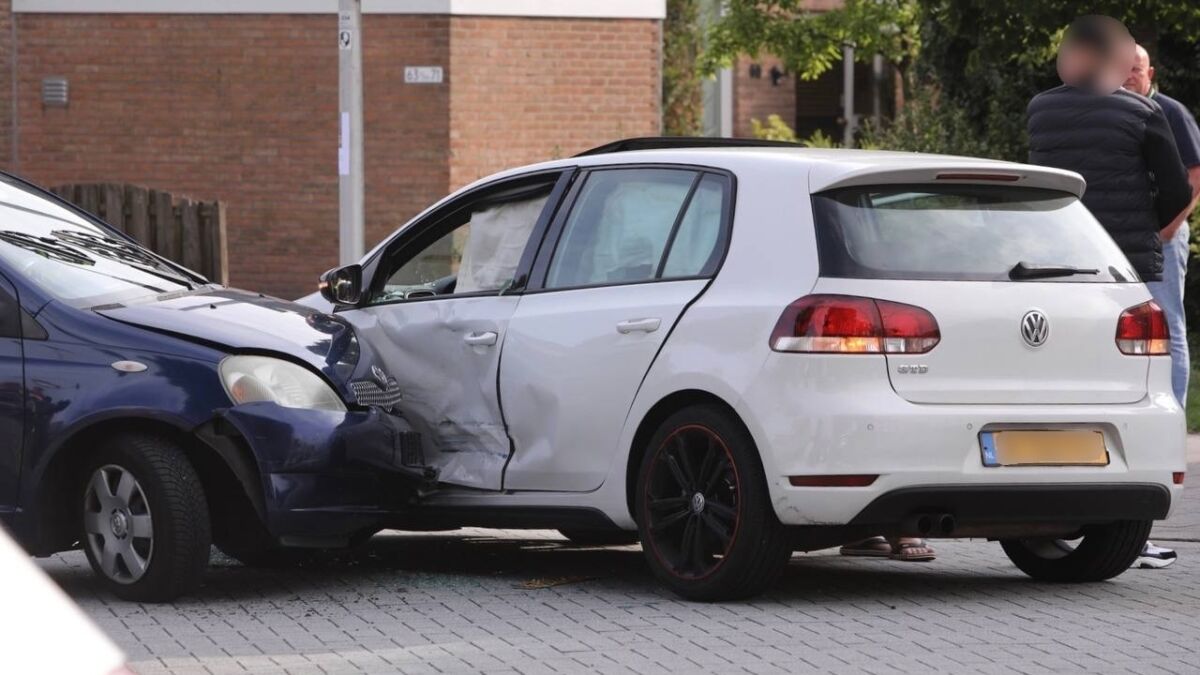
<point x="146" y="414"/>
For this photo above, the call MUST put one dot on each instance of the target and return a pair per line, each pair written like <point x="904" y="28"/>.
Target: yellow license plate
<point x="1068" y="447"/>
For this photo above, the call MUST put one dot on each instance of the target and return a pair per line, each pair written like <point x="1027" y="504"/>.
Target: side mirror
<point x="342" y="286"/>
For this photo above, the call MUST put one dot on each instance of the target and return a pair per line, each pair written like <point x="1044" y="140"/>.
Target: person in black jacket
<point x="1117" y="140"/>
<point x="1122" y="145"/>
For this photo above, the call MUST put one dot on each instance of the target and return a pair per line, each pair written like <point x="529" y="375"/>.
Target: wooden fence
<point x="189" y="232"/>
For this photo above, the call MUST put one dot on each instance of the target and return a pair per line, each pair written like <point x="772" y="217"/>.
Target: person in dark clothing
<point x="1117" y="140"/>
<point x="1122" y="145"/>
<point x="1176" y="237"/>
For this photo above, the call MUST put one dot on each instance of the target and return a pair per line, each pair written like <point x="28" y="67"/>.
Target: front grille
<point x="369" y="393"/>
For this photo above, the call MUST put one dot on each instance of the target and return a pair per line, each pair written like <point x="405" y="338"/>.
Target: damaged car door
<point x="630" y="248"/>
<point x="437" y="303"/>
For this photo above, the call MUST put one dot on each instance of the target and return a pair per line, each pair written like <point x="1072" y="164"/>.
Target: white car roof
<point x="831" y="168"/>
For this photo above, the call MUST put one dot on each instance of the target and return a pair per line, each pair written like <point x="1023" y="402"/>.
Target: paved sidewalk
<point x="509" y="602"/>
<point x="529" y="602"/>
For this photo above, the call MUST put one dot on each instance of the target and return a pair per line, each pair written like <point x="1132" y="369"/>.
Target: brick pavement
<point x="520" y="602"/>
<point x="528" y="602"/>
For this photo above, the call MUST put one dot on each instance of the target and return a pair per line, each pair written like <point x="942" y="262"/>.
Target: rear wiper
<point x="1023" y="271"/>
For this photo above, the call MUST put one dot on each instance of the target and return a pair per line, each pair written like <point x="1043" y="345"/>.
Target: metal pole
<point x="350" y="120"/>
<point x="877" y="89"/>
<point x="848" y="94"/>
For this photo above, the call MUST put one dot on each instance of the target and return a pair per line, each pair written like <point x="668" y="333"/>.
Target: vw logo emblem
<point x="1035" y="328"/>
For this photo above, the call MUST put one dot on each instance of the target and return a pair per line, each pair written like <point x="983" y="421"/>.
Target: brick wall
<point x="244" y="109"/>
<point x="6" y="63"/>
<point x="757" y="98"/>
<point x="526" y="90"/>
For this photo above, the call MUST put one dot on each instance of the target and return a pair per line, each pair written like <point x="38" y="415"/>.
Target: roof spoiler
<point x="825" y="178"/>
<point x="677" y="142"/>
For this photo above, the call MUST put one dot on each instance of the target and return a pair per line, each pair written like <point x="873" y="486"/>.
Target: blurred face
<point x="1099" y="59"/>
<point x="1077" y="64"/>
<point x="1141" y="75"/>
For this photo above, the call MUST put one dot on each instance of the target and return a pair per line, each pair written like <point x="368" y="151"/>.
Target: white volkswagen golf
<point x="736" y="352"/>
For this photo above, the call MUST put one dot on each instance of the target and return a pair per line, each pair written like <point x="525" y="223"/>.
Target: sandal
<point x="912" y="550"/>
<point x="875" y="547"/>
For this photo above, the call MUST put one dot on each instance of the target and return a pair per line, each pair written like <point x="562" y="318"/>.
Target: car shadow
<point x="408" y="565"/>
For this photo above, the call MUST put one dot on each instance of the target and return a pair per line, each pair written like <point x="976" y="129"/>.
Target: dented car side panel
<point x="445" y="353"/>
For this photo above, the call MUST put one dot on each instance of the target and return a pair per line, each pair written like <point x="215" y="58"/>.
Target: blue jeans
<point x="1168" y="293"/>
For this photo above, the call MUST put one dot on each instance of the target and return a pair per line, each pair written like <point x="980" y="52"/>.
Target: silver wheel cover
<point x="117" y="524"/>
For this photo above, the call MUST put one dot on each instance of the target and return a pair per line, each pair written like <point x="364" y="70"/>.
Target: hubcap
<point x="120" y="524"/>
<point x="117" y="524"/>
<point x="692" y="500"/>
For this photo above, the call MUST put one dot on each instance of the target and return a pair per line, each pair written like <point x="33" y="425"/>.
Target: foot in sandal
<point x="910" y="549"/>
<point x="874" y="547"/>
<point x="904" y="548"/>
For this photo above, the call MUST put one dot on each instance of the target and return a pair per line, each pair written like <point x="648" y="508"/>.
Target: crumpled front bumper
<point x="326" y="476"/>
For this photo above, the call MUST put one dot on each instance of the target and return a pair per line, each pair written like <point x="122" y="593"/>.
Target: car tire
<point x="600" y="537"/>
<point x="1104" y="552"/>
<point x="144" y="517"/>
<point x="707" y="527"/>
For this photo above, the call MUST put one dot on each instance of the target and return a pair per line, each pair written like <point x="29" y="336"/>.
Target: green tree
<point x="987" y="58"/>
<point x="810" y="43"/>
<point x="969" y="66"/>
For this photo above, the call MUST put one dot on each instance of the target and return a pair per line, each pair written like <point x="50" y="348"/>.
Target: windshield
<point x="963" y="232"/>
<point x="72" y="259"/>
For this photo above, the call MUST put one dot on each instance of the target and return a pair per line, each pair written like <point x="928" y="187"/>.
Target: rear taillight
<point x="846" y="324"/>
<point x="1142" y="331"/>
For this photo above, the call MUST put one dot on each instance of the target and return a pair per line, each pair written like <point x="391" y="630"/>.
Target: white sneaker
<point x="1154" y="557"/>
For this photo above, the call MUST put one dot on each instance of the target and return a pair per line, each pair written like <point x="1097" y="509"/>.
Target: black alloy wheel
<point x="707" y="526"/>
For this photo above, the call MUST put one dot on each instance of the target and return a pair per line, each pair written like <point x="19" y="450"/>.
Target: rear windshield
<point x="963" y="233"/>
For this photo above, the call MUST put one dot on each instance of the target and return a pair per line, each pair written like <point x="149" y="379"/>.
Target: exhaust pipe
<point x="920" y="524"/>
<point x="946" y="524"/>
<point x="926" y="524"/>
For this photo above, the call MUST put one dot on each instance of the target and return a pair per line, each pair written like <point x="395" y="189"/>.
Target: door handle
<point x="481" y="339"/>
<point x="639" y="326"/>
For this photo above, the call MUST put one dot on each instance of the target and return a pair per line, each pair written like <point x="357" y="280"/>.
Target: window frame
<point x="413" y="239"/>
<point x="554" y="236"/>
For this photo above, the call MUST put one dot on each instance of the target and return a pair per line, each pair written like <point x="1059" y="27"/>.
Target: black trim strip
<point x="1022" y="503"/>
<point x="683" y="209"/>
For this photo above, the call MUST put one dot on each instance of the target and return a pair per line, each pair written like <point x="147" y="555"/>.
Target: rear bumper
<point x="836" y="415"/>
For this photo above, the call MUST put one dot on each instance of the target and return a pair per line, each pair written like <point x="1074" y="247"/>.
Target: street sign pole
<point x="848" y="94"/>
<point x="350" y="120"/>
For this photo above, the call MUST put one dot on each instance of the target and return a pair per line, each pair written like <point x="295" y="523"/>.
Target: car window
<point x="619" y="227"/>
<point x="697" y="241"/>
<point x="960" y="232"/>
<point x="477" y="250"/>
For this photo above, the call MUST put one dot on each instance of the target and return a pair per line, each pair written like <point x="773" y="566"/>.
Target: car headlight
<point x="249" y="379"/>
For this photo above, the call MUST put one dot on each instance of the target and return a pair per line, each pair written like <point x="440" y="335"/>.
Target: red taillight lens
<point x="845" y="324"/>
<point x="907" y="329"/>
<point x="829" y="323"/>
<point x="1142" y="331"/>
